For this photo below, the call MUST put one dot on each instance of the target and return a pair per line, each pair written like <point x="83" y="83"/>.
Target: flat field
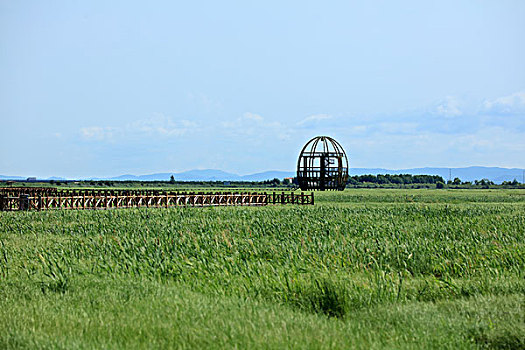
<point x="360" y="269"/>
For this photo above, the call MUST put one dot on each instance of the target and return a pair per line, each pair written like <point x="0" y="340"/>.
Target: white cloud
<point x="398" y="128"/>
<point x="430" y="135"/>
<point x="246" y="120"/>
<point x="488" y="146"/>
<point x="512" y="104"/>
<point x="314" y="119"/>
<point x="449" y="107"/>
<point x="204" y="102"/>
<point x="158" y="125"/>
<point x="255" y="127"/>
<point x="253" y="116"/>
<point x="189" y="124"/>
<point x="98" y="133"/>
<point x="358" y="129"/>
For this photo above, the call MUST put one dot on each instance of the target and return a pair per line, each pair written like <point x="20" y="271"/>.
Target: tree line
<point x="428" y="181"/>
<point x="400" y="179"/>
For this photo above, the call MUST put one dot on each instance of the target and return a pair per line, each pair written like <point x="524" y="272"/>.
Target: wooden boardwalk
<point x="13" y="199"/>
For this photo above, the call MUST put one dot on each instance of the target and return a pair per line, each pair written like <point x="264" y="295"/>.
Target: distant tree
<point x="352" y="180"/>
<point x="382" y="179"/>
<point x="440" y="184"/>
<point x="172" y="179"/>
<point x="485" y="182"/>
<point x="400" y="180"/>
<point x="405" y="178"/>
<point x="367" y="178"/>
<point x="457" y="181"/>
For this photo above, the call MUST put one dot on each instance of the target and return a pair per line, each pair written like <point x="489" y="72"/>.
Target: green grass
<point x="360" y="269"/>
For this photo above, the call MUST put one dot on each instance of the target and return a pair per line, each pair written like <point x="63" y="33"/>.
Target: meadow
<point x="363" y="268"/>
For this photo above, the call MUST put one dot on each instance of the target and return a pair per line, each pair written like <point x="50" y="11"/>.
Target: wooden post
<point x="23" y="203"/>
<point x="312" y="198"/>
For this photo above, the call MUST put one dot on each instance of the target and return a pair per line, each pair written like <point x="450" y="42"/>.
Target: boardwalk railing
<point x="12" y="199"/>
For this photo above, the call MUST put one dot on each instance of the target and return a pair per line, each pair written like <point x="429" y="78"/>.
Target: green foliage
<point x="57" y="270"/>
<point x="361" y="268"/>
<point x="395" y="179"/>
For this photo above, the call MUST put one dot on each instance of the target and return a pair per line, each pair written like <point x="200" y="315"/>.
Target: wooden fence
<point x="12" y="199"/>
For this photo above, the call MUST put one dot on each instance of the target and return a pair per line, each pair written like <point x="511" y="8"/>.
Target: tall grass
<point x="353" y="251"/>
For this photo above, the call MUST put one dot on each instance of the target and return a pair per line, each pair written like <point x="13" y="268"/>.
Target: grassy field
<point x="360" y="269"/>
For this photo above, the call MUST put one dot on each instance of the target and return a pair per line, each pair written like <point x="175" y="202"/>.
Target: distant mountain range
<point x="206" y="175"/>
<point x="190" y="175"/>
<point x="495" y="174"/>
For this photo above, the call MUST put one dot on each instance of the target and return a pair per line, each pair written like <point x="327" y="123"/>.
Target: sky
<point x="104" y="88"/>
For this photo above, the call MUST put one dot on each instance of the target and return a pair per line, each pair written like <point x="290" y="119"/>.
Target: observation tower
<point x="322" y="165"/>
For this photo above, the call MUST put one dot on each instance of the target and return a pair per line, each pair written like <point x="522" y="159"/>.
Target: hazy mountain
<point x="268" y="175"/>
<point x="207" y="175"/>
<point x="495" y="174"/>
<point x="7" y="177"/>
<point x="190" y="175"/>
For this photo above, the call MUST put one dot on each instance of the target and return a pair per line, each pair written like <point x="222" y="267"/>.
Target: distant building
<point x="31" y="179"/>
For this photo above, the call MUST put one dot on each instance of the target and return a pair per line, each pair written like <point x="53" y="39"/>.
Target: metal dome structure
<point x="322" y="165"/>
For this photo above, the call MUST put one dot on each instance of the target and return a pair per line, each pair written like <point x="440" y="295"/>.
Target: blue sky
<point x="102" y="88"/>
